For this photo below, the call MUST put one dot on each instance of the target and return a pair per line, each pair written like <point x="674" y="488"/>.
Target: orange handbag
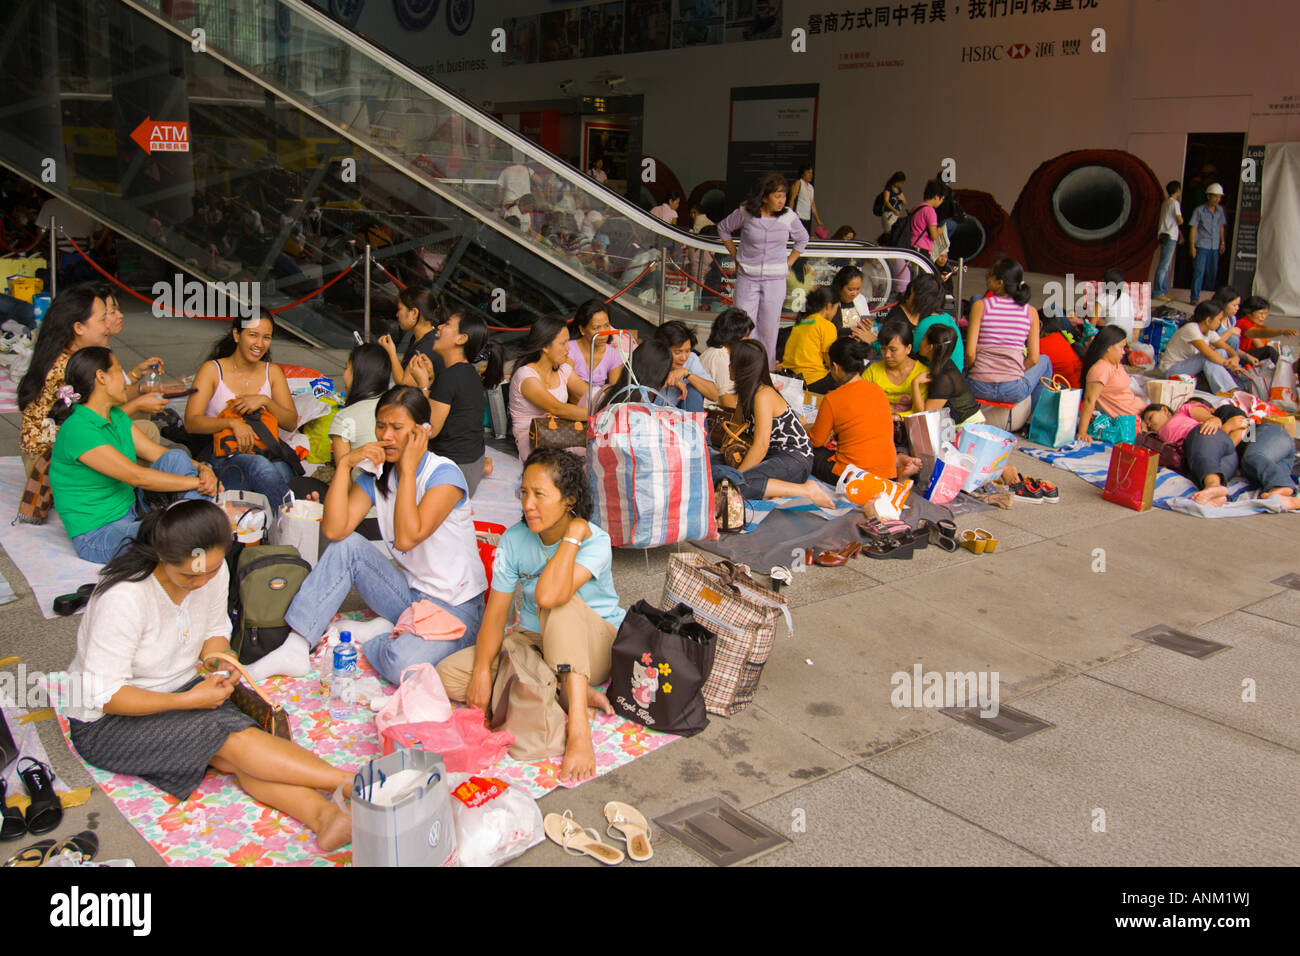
<point x="224" y="443"/>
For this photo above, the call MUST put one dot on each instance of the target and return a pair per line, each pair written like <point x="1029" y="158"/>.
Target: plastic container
<point x="344" y="678"/>
<point x="40" y="305"/>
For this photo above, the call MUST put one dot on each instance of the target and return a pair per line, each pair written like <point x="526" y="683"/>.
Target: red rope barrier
<point x="190" y="315"/>
<point x="648" y="267"/>
<point x="398" y="282"/>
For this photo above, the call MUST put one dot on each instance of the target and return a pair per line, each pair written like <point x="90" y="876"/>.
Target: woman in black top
<point x="420" y="313"/>
<point x="458" y="397"/>
<point x="947" y="386"/>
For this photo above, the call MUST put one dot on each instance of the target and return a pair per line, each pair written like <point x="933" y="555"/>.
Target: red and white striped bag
<point x="650" y="476"/>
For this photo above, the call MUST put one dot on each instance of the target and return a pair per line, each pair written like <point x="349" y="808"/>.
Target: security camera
<point x="566" y="87"/>
<point x="615" y="81"/>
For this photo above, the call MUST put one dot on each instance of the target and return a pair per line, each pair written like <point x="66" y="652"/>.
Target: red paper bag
<point x="1131" y="478"/>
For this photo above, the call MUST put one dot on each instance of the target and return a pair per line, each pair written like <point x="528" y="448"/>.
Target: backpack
<point x="524" y="702"/>
<point x="900" y="235"/>
<point x="878" y="207"/>
<point x="266" y="439"/>
<point x="266" y="579"/>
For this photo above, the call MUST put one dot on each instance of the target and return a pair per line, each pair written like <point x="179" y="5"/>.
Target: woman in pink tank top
<point x="1002" y="358"/>
<point x="240" y="375"/>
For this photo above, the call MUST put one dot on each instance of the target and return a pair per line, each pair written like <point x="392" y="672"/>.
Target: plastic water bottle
<point x="149" y="381"/>
<point x="344" y="679"/>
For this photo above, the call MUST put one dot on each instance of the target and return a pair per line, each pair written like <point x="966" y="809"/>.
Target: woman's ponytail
<point x="79" y="380"/>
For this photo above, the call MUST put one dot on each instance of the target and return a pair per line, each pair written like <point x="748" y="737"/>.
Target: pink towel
<point x="427" y="620"/>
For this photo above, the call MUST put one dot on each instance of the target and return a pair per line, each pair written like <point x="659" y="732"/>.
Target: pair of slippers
<point x="979" y="541"/>
<point x="625" y="823"/>
<point x="44" y="812"/>
<point x="82" y="847"/>
<point x="66" y="604"/>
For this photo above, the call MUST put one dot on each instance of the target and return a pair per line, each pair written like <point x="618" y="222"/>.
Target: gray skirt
<point x="170" y="750"/>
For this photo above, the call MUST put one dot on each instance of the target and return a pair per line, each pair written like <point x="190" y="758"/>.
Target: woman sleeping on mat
<point x="856" y="414"/>
<point x="98" y="482"/>
<point x="569" y="611"/>
<point x="780" y="457"/>
<point x="424" y="518"/>
<point x="159" y="611"/>
<point x="1209" y="454"/>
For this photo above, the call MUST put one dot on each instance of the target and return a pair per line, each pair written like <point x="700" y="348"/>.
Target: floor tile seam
<point x="953" y="813"/>
<point x="1192" y="713"/>
<point x="851" y="758"/>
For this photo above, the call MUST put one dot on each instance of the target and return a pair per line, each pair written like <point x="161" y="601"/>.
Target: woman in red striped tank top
<point x="1002" y="358"/>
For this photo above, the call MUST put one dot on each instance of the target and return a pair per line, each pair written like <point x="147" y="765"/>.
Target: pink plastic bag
<point x="419" y="698"/>
<point x="465" y="744"/>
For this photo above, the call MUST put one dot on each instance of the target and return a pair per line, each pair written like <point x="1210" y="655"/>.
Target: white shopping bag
<point x="249" y="513"/>
<point x="407" y="822"/>
<point x="791" y="390"/>
<point x="1283" y="389"/>
<point x="299" y="525"/>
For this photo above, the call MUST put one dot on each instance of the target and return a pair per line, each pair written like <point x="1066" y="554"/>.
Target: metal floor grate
<point x="1009" y="724"/>
<point x="720" y="833"/>
<point x="1170" y="638"/>
<point x="1291" y="581"/>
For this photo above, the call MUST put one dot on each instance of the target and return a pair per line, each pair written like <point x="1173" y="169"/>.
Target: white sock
<point x="290" y="659"/>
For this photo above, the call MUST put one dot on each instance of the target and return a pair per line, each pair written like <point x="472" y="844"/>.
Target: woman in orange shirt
<point x="857" y="413"/>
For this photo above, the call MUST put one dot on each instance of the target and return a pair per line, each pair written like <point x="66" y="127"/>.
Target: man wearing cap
<point x="1207" y="239"/>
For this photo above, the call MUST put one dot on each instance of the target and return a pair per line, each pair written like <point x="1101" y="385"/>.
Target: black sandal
<point x="33" y="855"/>
<point x="85" y="844"/>
<point x="45" y="812"/>
<point x="942" y="533"/>
<point x="66" y="604"/>
<point x="14" y="824"/>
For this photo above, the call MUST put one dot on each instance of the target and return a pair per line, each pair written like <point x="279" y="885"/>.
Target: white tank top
<point x="803" y="202"/>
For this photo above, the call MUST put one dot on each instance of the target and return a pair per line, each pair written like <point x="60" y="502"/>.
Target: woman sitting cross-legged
<point x="240" y="377"/>
<point x="856" y="414"/>
<point x="424" y="518"/>
<point x="729" y="327"/>
<point x="1106" y="386"/>
<point x="780" y="457"/>
<point x="95" y="471"/>
<point x="158" y="611"/>
<point x="897" y="371"/>
<point x="689" y="385"/>
<point x="1209" y="455"/>
<point x="943" y="384"/>
<point x="544" y="382"/>
<point x="569" y="611"/>
<point x="808" y="346"/>
<point x="1003" y="362"/>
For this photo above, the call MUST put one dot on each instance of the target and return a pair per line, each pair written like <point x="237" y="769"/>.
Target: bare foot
<point x="335" y="829"/>
<point x="487" y="467"/>
<point x="1213" y="497"/>
<point x="1287" y="496"/>
<point x="579" y="760"/>
<point x="814" y="491"/>
<point x="599" y="701"/>
<point x="907" y="466"/>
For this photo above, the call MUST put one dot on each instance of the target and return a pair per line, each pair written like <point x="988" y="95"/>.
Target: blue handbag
<point x="1113" y="431"/>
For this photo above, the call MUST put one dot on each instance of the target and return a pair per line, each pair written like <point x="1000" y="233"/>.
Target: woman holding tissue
<point x="424" y="519"/>
<point x="158" y="611"/>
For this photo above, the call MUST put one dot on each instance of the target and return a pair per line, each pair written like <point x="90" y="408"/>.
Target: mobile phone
<point x="171" y="395"/>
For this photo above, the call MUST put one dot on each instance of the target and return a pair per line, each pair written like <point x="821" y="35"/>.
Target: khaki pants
<point x="572" y="634"/>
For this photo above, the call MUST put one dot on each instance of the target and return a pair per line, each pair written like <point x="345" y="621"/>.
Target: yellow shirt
<point x="806" y="348"/>
<point x="900" y="396"/>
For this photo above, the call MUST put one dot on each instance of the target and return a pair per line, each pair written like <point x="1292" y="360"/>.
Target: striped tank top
<point x="1003" y="334"/>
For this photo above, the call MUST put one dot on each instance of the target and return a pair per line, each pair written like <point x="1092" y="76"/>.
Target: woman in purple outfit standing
<point x="766" y="226"/>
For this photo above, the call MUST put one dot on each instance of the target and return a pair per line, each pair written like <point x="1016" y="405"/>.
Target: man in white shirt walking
<point x="1171" y="217"/>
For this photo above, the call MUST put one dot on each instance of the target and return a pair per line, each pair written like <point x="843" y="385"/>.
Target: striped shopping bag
<point x="650" y="479"/>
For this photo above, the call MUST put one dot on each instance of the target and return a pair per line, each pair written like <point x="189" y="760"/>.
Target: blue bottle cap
<point x="345" y="636"/>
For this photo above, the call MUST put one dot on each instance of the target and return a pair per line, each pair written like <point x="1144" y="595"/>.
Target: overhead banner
<point x="772" y="128"/>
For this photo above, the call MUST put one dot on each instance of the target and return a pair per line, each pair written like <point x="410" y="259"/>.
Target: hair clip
<point x="67" y="395"/>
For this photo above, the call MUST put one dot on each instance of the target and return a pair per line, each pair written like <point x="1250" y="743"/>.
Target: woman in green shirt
<point x="95" y="469"/>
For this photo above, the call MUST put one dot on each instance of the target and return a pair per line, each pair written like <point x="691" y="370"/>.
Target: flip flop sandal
<point x="45" y="812"/>
<point x="14" y="824"/>
<point x="66" y="604"/>
<point x="579" y="841"/>
<point x="629" y="825"/>
<point x="84" y="845"/>
<point x="972" y="542"/>
<point x="33" y="855"/>
<point x="990" y="542"/>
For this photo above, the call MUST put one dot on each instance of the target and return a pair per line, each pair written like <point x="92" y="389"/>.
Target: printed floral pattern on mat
<point x="220" y="825"/>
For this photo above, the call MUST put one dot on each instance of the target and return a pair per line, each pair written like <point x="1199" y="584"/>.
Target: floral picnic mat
<point x="221" y="825"/>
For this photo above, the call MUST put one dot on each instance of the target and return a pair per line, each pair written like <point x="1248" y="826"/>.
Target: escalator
<point x="260" y="143"/>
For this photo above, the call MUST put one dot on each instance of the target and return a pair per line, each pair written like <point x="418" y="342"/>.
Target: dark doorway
<point x="1210" y="158"/>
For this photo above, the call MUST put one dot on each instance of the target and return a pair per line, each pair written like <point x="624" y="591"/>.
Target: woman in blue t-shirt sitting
<point x="570" y="611"/>
<point x="96" y="470"/>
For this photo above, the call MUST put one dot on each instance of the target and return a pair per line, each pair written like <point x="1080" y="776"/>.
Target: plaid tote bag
<point x="742" y="616"/>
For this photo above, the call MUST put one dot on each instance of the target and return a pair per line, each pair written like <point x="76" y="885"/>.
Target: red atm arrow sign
<point x="162" y="137"/>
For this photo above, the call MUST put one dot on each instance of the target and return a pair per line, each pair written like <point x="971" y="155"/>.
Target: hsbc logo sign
<point x="987" y="54"/>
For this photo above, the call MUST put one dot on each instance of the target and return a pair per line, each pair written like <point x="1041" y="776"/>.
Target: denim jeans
<point x="1220" y="378"/>
<point x="753" y="483"/>
<point x="692" y="402"/>
<point x="1016" y="390"/>
<point x="103" y="543"/>
<point x="355" y="562"/>
<point x="1212" y="454"/>
<point x="1267" y="461"/>
<point x="254" y="473"/>
<point x="1204" y="266"/>
<point x="1164" y="268"/>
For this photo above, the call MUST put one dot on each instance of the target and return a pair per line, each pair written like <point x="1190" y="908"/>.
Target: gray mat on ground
<point x="783" y="532"/>
<point x="964" y="504"/>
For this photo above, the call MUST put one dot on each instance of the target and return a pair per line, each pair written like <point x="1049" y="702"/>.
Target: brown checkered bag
<point x="740" y="613"/>
<point x="38" y="499"/>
